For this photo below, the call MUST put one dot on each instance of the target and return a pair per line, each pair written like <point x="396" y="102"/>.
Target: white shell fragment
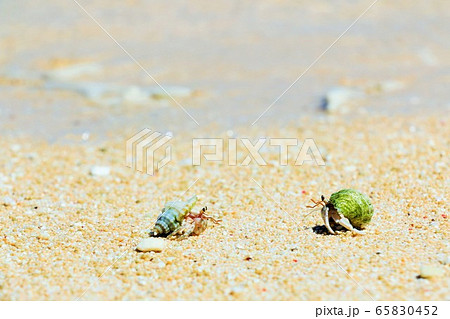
<point x="151" y="244"/>
<point x="100" y="171"/>
<point x="429" y="271"/>
<point x="73" y="71"/>
<point x="8" y="201"/>
<point x="43" y="235"/>
<point x="115" y="93"/>
<point x="339" y="99"/>
<point x="444" y="259"/>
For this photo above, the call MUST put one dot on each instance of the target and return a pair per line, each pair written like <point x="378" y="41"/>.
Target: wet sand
<point x="66" y="234"/>
<point x="237" y="56"/>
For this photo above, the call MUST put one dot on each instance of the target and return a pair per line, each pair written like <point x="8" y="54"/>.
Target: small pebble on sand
<point x="100" y="171"/>
<point x="135" y="94"/>
<point x="73" y="71"/>
<point x="151" y="244"/>
<point x="43" y="235"/>
<point x="161" y="265"/>
<point x="429" y="271"/>
<point x="444" y="259"/>
<point x="85" y="136"/>
<point x="15" y="148"/>
<point x="141" y="282"/>
<point x="338" y="99"/>
<point x="8" y="201"/>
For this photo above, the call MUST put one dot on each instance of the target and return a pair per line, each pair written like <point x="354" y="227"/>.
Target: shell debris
<point x="430" y="271"/>
<point x="100" y="170"/>
<point x="151" y="244"/>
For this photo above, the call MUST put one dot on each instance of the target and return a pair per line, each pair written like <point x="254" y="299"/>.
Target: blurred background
<point x="225" y="62"/>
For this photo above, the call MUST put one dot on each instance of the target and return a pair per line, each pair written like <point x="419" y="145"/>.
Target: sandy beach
<point x="72" y="212"/>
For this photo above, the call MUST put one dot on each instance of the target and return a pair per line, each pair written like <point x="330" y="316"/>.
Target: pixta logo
<point x="143" y="151"/>
<point x="141" y="148"/>
<point x="212" y="149"/>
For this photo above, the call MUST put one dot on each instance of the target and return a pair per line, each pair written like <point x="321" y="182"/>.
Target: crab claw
<point x="326" y="220"/>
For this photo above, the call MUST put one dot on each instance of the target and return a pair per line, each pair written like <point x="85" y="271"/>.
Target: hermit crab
<point x="349" y="208"/>
<point x="177" y="220"/>
<point x="195" y="223"/>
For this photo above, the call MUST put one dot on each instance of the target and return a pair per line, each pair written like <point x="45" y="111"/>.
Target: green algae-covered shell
<point x="353" y="205"/>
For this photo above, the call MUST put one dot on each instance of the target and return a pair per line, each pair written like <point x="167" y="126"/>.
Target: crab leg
<point x="215" y="221"/>
<point x="344" y="222"/>
<point x="175" y="232"/>
<point x="326" y="219"/>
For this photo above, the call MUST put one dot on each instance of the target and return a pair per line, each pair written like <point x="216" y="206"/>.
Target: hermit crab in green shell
<point x="349" y="208"/>
<point x="177" y="220"/>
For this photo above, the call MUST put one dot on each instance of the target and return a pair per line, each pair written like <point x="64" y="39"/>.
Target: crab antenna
<point x="314" y="210"/>
<point x="316" y="203"/>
